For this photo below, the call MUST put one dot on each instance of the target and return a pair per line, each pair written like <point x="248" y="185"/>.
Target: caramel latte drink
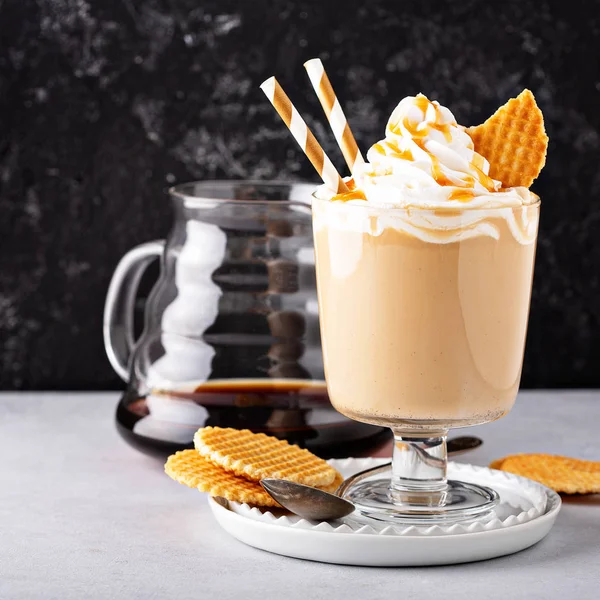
<point x="424" y="264"/>
<point x="424" y="277"/>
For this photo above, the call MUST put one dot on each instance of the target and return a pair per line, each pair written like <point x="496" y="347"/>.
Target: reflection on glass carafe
<point x="231" y="332"/>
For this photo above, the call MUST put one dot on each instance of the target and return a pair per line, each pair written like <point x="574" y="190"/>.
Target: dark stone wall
<point x="105" y="103"/>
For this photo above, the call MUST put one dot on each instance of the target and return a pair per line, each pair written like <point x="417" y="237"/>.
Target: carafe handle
<point x="118" y="309"/>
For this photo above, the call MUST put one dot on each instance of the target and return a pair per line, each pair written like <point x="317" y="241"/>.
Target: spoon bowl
<point x="307" y="502"/>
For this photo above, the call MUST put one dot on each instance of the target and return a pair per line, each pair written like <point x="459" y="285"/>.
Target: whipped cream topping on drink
<point x="428" y="161"/>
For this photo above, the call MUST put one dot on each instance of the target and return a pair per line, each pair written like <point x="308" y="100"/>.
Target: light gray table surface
<point x="83" y="515"/>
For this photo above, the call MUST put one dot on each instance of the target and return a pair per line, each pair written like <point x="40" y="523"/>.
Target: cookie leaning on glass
<point x="230" y="463"/>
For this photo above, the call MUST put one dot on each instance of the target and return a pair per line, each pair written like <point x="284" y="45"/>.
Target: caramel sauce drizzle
<point x="394" y="151"/>
<point x="423" y="104"/>
<point x="461" y="195"/>
<point x="437" y="173"/>
<point x="352" y="194"/>
<point x="403" y="154"/>
<point x="478" y="161"/>
<point x="486" y="181"/>
<point x="379" y="149"/>
<point x="346" y="196"/>
<point x="466" y="183"/>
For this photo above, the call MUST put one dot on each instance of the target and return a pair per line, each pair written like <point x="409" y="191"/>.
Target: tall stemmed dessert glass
<point x="424" y="271"/>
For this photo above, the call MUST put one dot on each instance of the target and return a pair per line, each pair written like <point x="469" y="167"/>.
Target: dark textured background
<point x="105" y="103"/>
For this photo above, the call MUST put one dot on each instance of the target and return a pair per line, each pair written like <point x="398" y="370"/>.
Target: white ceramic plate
<point x="525" y="515"/>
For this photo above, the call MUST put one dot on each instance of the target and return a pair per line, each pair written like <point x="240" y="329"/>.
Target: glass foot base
<point x="458" y="501"/>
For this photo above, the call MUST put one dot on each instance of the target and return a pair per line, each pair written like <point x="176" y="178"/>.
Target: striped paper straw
<point x="335" y="114"/>
<point x="303" y="135"/>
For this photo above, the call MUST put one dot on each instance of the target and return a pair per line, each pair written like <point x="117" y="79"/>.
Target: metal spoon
<point x="316" y="505"/>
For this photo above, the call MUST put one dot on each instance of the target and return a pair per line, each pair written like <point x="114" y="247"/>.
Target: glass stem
<point x="419" y="468"/>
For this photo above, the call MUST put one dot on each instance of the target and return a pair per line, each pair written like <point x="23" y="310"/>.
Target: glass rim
<point x="438" y="210"/>
<point x="191" y="193"/>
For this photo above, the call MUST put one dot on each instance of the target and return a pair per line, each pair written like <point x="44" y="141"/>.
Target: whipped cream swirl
<point x="427" y="161"/>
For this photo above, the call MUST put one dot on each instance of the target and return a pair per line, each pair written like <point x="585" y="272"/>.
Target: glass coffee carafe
<point x="231" y="330"/>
